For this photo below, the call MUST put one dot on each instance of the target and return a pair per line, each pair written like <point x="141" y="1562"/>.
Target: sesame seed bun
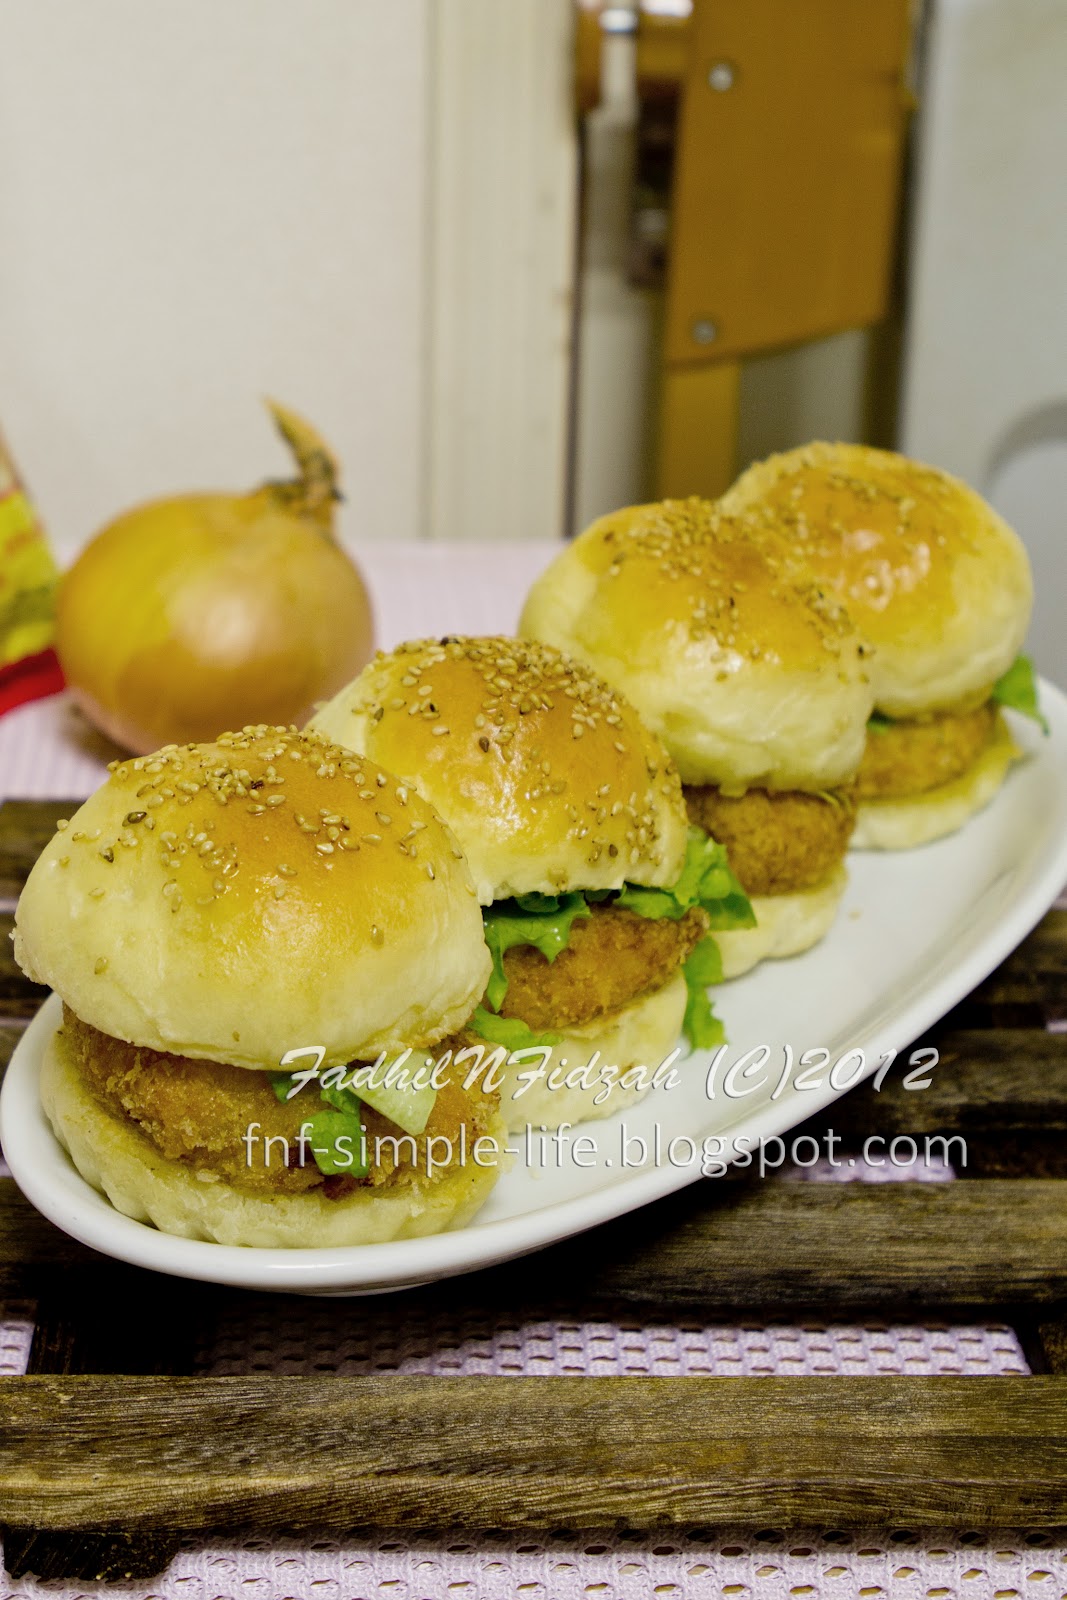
<point x="933" y="578"/>
<point x="115" y="1157"/>
<point x="900" y="824"/>
<point x="235" y="900"/>
<point x="747" y="670"/>
<point x="547" y="776"/>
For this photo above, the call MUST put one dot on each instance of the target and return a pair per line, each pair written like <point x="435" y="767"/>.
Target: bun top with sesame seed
<point x="547" y="776"/>
<point x="748" y="668"/>
<point x="269" y="891"/>
<point x="936" y="581"/>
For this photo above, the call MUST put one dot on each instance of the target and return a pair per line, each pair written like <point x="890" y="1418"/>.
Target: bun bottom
<point x="786" y="924"/>
<point x="903" y="823"/>
<point x="113" y="1156"/>
<point x="638" y="1035"/>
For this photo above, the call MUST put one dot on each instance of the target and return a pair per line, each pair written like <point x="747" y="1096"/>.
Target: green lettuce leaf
<point x="703" y="967"/>
<point x="326" y="1128"/>
<point x="705" y="880"/>
<point x="337" y="1112"/>
<point x="542" y="920"/>
<point x="1017" y="691"/>
<point x="511" y="1032"/>
<point x="545" y="921"/>
<point x="878" y="722"/>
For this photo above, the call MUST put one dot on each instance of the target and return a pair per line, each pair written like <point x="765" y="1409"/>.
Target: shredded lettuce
<point x="511" y="1032"/>
<point x="703" y="967"/>
<point x="878" y="722"/>
<point x="542" y="920"/>
<point x="1017" y="691"/>
<point x="340" y="1116"/>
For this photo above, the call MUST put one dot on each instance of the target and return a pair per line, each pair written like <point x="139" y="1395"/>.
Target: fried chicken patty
<point x="196" y="1112"/>
<point x="613" y="957"/>
<point x="917" y="754"/>
<point x="777" y="841"/>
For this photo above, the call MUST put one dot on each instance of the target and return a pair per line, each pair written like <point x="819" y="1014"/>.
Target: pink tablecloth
<point x="46" y="751"/>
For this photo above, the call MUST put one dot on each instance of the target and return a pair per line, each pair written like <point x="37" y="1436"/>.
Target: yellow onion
<point x="192" y="615"/>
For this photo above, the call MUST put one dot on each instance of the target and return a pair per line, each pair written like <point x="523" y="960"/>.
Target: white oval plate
<point x="916" y="932"/>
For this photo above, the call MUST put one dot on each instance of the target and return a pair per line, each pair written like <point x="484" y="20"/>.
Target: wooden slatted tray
<point x="111" y="1446"/>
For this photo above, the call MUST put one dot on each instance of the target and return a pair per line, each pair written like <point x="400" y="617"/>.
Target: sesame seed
<point x="62" y="824"/>
<point x="96" y="894"/>
<point x="376" y="935"/>
<point x="100" y="965"/>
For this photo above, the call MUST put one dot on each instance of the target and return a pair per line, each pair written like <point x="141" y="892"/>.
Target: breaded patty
<point x="777" y="841"/>
<point x="197" y="1112"/>
<point x="917" y="754"/>
<point x="614" y="956"/>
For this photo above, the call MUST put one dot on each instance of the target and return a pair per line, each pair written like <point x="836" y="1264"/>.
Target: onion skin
<point x="190" y="616"/>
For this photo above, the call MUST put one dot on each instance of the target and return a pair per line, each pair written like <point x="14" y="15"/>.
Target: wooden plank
<point x="431" y="1452"/>
<point x="25" y="828"/>
<point x="1052" y="1332"/>
<point x="19" y="997"/>
<point x="698" y="423"/>
<point x="781" y="1246"/>
<point x="987" y="1080"/>
<point x="82" y="1555"/>
<point x="1045" y="949"/>
<point x="81" y="1326"/>
<point x="31" y="1248"/>
<point x="11" y="1031"/>
<point x="789" y="163"/>
<point x="1029" y="988"/>
<point x="776" y="1246"/>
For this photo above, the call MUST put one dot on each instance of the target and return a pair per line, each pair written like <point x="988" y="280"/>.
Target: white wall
<point x="200" y="202"/>
<point x="985" y="379"/>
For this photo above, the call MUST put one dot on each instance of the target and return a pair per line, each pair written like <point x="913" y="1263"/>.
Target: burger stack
<point x="550" y="846"/>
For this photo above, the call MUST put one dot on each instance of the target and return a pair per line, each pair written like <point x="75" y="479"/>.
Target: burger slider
<point x="246" y="944"/>
<point x="940" y="585"/>
<point x="753" y="677"/>
<point x="598" y="897"/>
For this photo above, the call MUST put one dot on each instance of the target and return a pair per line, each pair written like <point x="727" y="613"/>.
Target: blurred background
<point x="524" y="261"/>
